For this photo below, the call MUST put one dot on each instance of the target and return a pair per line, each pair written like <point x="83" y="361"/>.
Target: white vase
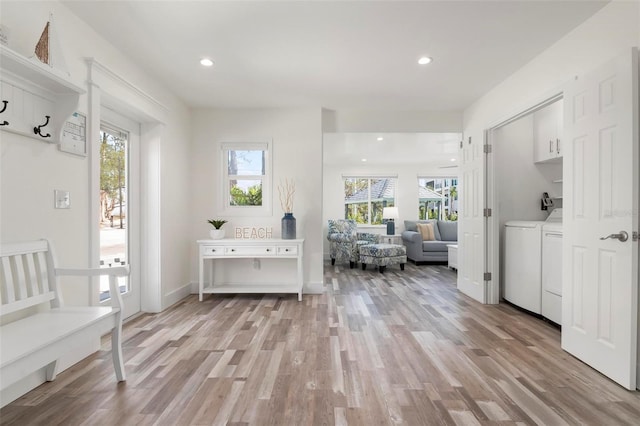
<point x="217" y="234"/>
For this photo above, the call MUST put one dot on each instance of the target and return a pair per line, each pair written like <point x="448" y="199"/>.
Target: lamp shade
<point x="390" y="213"/>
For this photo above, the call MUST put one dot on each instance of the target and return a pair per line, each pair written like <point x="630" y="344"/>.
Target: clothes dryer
<point x="552" y="267"/>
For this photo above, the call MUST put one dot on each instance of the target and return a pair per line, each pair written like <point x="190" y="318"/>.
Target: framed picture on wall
<point x="74" y="135"/>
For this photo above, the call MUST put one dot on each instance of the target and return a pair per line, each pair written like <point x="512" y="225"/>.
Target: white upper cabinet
<point x="36" y="100"/>
<point x="547" y="133"/>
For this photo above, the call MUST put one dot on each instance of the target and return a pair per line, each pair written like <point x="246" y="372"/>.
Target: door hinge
<point x="460" y="144"/>
<point x="487" y="276"/>
<point x="487" y="212"/>
<point x="634" y="236"/>
<point x="487" y="149"/>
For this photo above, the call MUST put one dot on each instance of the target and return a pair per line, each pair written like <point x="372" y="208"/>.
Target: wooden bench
<point x="29" y="277"/>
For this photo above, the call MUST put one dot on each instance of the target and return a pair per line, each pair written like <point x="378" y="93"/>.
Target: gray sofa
<point x="429" y="251"/>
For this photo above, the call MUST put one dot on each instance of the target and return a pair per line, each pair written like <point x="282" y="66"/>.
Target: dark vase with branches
<point x="288" y="222"/>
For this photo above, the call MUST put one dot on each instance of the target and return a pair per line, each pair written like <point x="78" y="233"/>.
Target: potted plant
<point x="217" y="233"/>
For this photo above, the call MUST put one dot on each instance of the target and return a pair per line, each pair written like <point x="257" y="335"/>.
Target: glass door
<point x="117" y="220"/>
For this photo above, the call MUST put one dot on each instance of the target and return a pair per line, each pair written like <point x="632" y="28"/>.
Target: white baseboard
<point x="178" y="294"/>
<point x="307" y="288"/>
<point x="313" y="288"/>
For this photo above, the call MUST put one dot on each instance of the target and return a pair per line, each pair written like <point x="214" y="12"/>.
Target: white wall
<point x="610" y="32"/>
<point x="30" y="170"/>
<point x="297" y="154"/>
<point x="176" y="194"/>
<point x="370" y="121"/>
<point x="519" y="181"/>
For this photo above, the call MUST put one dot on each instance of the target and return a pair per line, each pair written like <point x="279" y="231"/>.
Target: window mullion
<point x="369" y="202"/>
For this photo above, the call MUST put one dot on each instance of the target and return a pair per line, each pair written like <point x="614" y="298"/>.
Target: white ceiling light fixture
<point x="206" y="62"/>
<point x="380" y="138"/>
<point x="424" y="60"/>
<point x="453" y="159"/>
<point x="364" y="160"/>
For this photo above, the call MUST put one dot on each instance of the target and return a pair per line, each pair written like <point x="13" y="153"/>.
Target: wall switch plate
<point x="62" y="199"/>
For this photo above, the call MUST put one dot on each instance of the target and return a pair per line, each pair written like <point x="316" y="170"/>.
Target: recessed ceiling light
<point x="380" y="138"/>
<point x="206" y="62"/>
<point x="424" y="60"/>
<point x="363" y="160"/>
<point x="453" y="159"/>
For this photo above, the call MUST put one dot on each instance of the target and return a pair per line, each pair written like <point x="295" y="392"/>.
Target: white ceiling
<point x="334" y="54"/>
<point x="429" y="150"/>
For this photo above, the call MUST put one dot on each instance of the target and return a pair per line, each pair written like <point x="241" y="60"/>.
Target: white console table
<point x="249" y="249"/>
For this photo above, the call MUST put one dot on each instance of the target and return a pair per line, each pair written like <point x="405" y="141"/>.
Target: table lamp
<point x="391" y="214"/>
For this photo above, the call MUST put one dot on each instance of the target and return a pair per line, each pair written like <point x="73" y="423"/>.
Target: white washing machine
<point x="522" y="264"/>
<point x="552" y="267"/>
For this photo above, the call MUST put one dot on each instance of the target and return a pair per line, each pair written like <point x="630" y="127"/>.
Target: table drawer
<point x="212" y="250"/>
<point x="250" y="251"/>
<point x="287" y="250"/>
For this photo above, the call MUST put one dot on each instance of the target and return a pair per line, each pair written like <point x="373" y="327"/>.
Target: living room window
<point x="246" y="181"/>
<point x="366" y="196"/>
<point x="438" y="198"/>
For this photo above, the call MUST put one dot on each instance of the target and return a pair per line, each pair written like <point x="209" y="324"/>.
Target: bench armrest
<point x="112" y="272"/>
<point x="118" y="271"/>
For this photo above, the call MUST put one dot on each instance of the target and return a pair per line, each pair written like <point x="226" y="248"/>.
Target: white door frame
<point x="491" y="200"/>
<point x="108" y="89"/>
<point x="110" y="118"/>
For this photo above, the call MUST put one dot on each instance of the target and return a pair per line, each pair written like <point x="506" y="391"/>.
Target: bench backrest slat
<point x="20" y="280"/>
<point x="42" y="274"/>
<point x="8" y="295"/>
<point x="32" y="285"/>
<point x="26" y="270"/>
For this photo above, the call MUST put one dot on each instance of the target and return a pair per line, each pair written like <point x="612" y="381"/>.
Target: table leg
<point x="200" y="278"/>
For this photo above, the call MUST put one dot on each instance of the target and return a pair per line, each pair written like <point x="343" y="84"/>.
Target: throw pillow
<point x="426" y="230"/>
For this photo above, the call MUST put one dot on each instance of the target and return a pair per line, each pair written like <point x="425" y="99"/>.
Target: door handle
<point x="622" y="236"/>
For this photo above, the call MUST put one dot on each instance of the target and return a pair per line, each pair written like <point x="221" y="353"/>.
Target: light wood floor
<point x="403" y="347"/>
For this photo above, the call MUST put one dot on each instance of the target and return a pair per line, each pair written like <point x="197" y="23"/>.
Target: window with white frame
<point x="246" y="180"/>
<point x="365" y="197"/>
<point x="438" y="198"/>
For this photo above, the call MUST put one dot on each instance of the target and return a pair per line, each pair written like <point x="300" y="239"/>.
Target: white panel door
<point x="472" y="231"/>
<point x="600" y="277"/>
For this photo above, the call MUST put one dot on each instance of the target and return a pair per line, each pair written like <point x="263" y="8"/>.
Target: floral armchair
<point x="345" y="240"/>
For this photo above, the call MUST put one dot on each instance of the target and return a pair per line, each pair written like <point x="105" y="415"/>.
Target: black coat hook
<point x="4" y="108"/>
<point x="37" y="129"/>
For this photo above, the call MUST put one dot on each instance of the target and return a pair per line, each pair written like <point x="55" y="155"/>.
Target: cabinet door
<point x="547" y="132"/>
<point x="544" y="131"/>
<point x="557" y="113"/>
